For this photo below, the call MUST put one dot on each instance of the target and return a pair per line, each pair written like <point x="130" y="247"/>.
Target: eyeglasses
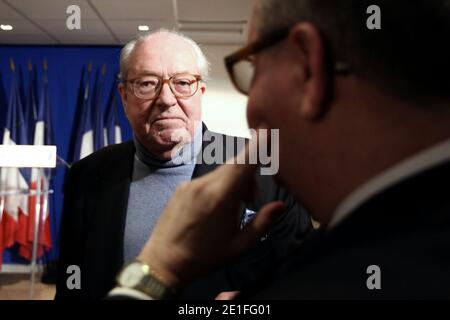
<point x="240" y="64"/>
<point x="149" y="87"/>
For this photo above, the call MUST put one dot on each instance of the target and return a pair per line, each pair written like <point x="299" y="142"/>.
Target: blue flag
<point x="16" y="128"/>
<point x="43" y="135"/>
<point x="112" y="125"/>
<point x="84" y="144"/>
<point x="44" y="115"/>
<point x="15" y="123"/>
<point x="14" y="179"/>
<point x="3" y="105"/>
<point x="97" y="110"/>
<point x="31" y="104"/>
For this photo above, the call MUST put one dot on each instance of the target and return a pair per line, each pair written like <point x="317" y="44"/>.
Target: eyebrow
<point x="150" y="73"/>
<point x="146" y="73"/>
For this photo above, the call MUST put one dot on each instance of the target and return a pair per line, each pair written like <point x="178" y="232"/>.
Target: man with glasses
<point x="364" y="119"/>
<point x="114" y="197"/>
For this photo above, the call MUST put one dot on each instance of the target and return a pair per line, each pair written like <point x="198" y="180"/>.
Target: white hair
<point x="202" y="63"/>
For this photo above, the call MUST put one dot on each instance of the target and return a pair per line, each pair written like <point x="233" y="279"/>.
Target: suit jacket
<point x="93" y="222"/>
<point x="404" y="230"/>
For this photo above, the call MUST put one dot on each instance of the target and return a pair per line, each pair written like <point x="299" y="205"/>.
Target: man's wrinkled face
<point x="166" y="121"/>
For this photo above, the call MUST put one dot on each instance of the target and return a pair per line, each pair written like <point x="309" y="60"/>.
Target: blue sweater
<point x="154" y="181"/>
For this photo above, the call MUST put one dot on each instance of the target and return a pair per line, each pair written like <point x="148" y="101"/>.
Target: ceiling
<point x="114" y="22"/>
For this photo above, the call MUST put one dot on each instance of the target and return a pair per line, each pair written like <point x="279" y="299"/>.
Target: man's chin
<point x="171" y="137"/>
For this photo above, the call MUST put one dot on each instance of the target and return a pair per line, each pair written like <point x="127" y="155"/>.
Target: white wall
<point x="224" y="108"/>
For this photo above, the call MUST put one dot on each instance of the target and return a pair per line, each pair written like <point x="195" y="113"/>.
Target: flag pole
<point x="37" y="219"/>
<point x="46" y="176"/>
<point x="37" y="214"/>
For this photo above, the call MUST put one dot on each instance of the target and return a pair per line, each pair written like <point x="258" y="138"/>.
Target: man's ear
<point x="202" y="87"/>
<point x="311" y="50"/>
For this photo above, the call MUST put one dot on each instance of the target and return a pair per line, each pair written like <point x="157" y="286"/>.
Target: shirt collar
<point x="428" y="158"/>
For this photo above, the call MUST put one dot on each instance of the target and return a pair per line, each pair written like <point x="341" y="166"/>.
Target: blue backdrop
<point x="65" y="65"/>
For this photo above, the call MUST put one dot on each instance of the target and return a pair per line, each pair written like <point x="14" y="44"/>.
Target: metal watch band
<point x="149" y="284"/>
<point x="153" y="287"/>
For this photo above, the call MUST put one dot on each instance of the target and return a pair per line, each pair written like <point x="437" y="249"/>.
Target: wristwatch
<point x="139" y="276"/>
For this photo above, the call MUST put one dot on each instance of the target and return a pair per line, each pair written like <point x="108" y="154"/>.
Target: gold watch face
<point x="132" y="275"/>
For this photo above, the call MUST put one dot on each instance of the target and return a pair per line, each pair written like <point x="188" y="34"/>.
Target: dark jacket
<point x="93" y="222"/>
<point x="404" y="230"/>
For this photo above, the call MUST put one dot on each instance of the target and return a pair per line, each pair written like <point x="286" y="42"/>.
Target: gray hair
<point x="125" y="54"/>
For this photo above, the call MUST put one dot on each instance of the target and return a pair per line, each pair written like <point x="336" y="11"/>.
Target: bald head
<point x="162" y="54"/>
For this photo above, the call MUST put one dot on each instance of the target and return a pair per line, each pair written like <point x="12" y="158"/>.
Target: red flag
<point x="26" y="237"/>
<point x="43" y="135"/>
<point x="13" y="181"/>
<point x="8" y="228"/>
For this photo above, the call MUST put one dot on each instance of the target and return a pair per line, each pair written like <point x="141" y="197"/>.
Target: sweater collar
<point x="185" y="155"/>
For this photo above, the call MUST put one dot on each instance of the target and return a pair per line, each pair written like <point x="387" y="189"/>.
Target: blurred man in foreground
<point x="364" y="118"/>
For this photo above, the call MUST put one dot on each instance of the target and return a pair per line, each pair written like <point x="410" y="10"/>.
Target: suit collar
<point x="201" y="168"/>
<point x="420" y="162"/>
<point x="108" y="209"/>
<point x="414" y="206"/>
<point x="119" y="165"/>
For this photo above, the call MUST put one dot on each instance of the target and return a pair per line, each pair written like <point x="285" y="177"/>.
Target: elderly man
<point x="114" y="197"/>
<point x="364" y="120"/>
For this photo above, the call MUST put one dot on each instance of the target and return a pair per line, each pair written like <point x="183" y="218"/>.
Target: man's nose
<point x="166" y="96"/>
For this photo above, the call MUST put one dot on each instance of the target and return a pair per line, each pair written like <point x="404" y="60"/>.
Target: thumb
<point x="257" y="227"/>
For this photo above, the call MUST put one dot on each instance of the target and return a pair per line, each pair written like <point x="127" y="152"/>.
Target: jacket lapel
<point x="105" y="252"/>
<point x="201" y="167"/>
